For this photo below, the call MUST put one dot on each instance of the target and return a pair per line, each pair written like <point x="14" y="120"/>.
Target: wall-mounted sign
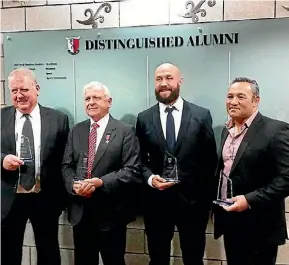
<point x="162" y="42"/>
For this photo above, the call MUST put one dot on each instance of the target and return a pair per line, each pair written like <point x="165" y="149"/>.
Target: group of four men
<point x="117" y="160"/>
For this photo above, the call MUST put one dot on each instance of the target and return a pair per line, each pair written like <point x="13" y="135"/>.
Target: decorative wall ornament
<point x="195" y="9"/>
<point x="286" y="7"/>
<point x="95" y="18"/>
<point x="22" y="2"/>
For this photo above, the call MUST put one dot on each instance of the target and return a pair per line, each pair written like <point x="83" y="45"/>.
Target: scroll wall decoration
<point x="22" y="2"/>
<point x="194" y="10"/>
<point x="95" y="18"/>
<point x="286" y="7"/>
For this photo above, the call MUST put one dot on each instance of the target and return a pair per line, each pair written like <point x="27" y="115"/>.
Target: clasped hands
<point x="86" y="187"/>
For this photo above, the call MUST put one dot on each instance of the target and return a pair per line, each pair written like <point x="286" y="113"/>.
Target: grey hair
<point x="253" y="84"/>
<point x="97" y="86"/>
<point x="24" y="72"/>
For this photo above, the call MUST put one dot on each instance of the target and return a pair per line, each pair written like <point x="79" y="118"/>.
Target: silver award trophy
<point x="225" y="190"/>
<point x="170" y="168"/>
<point x="81" y="168"/>
<point x="25" y="149"/>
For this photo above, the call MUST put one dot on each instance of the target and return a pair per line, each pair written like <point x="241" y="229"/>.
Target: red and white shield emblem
<point x="73" y="45"/>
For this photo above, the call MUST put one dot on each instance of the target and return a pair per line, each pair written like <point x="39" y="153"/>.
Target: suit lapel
<point x="185" y="121"/>
<point x="105" y="141"/>
<point x="83" y="136"/>
<point x="158" y="126"/>
<point x="252" y="130"/>
<point x="45" y="125"/>
<point x="224" y="136"/>
<point x="10" y="129"/>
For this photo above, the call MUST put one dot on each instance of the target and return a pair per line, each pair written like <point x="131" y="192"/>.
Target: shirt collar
<point x="230" y="123"/>
<point x="33" y="114"/>
<point x="102" y="122"/>
<point x="178" y="105"/>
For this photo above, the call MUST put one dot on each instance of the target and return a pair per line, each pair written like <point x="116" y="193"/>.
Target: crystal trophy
<point x="170" y="168"/>
<point x="225" y="190"/>
<point x="25" y="149"/>
<point x="81" y="168"/>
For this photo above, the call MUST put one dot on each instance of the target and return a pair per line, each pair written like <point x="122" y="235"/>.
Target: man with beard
<point x="184" y="130"/>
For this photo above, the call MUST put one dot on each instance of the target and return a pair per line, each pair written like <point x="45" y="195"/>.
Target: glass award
<point x="225" y="190"/>
<point x="81" y="168"/>
<point x="26" y="154"/>
<point x="170" y="168"/>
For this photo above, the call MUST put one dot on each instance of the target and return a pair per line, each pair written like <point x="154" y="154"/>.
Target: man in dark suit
<point x="254" y="157"/>
<point x="32" y="145"/>
<point x="100" y="169"/>
<point x="185" y="131"/>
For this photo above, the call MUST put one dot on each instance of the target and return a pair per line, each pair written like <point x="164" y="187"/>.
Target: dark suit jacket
<point x="54" y="131"/>
<point x="116" y="163"/>
<point x="195" y="151"/>
<point x="260" y="171"/>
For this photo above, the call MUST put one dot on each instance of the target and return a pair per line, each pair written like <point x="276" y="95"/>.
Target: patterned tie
<point x="170" y="129"/>
<point x="91" y="148"/>
<point x="27" y="171"/>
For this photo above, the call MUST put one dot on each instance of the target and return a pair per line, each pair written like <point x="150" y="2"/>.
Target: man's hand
<point x="87" y="187"/>
<point x="83" y="188"/>
<point x="240" y="204"/>
<point x="12" y="162"/>
<point x="97" y="182"/>
<point x="160" y="183"/>
<point x="76" y="186"/>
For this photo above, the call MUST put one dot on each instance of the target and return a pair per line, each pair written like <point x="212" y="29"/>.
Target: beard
<point x="171" y="98"/>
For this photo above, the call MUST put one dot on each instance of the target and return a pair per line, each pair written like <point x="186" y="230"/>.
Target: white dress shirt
<point x="102" y="123"/>
<point x="177" y="114"/>
<point x="35" y="119"/>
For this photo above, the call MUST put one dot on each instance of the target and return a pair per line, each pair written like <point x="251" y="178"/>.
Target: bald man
<point x="182" y="130"/>
<point x="33" y="139"/>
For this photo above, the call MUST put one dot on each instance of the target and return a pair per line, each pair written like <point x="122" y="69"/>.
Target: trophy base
<point x="78" y="179"/>
<point x="27" y="160"/>
<point x="172" y="180"/>
<point x="223" y="203"/>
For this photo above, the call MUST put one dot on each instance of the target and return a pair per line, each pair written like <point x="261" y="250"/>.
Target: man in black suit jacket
<point x="43" y="200"/>
<point x="254" y="155"/>
<point x="100" y="169"/>
<point x="191" y="140"/>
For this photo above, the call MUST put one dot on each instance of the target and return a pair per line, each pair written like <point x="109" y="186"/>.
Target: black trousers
<point x="242" y="249"/>
<point x="160" y="226"/>
<point x="89" y="241"/>
<point x="44" y="221"/>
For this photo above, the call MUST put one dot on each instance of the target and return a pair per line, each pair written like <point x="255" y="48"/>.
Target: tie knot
<point x="26" y="116"/>
<point x="169" y="110"/>
<point x="94" y="126"/>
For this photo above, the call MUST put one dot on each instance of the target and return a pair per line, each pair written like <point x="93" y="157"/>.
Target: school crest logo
<point x="73" y="45"/>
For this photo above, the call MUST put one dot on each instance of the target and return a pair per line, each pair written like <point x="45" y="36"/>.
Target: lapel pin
<point x="107" y="137"/>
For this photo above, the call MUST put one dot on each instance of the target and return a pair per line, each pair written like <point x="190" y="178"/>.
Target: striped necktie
<point x="91" y="148"/>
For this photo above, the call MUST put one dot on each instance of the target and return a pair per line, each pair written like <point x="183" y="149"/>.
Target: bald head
<point x="168" y="81"/>
<point x="168" y="67"/>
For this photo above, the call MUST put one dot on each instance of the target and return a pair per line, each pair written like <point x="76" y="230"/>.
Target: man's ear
<point x="37" y="88"/>
<point x="256" y="101"/>
<point x="110" y="102"/>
